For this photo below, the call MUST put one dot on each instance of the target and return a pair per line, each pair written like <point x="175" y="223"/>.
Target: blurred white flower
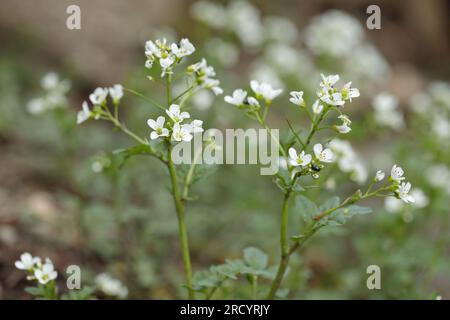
<point x="225" y="52"/>
<point x="237" y="98"/>
<point x="203" y="99"/>
<point x="299" y="160"/>
<point x="421" y="200"/>
<point x="393" y="205"/>
<point x="253" y="102"/>
<point x="210" y="13"/>
<point x="379" y="175"/>
<point x="27" y="262"/>
<point x="280" y="29"/>
<point x="204" y="76"/>
<point x="176" y="115"/>
<point x="116" y="92"/>
<point x="264" y="90"/>
<point x="386" y="112"/>
<point x="297" y="98"/>
<point x="317" y="107"/>
<point x="55" y="91"/>
<point x="333" y="33"/>
<point x="345" y="127"/>
<point x="196" y="126"/>
<point x="158" y="127"/>
<point x="348" y="161"/>
<point x="245" y="21"/>
<point x="323" y="155"/>
<point x="46" y="272"/>
<point x="84" y="113"/>
<point x="98" y="96"/>
<point x="111" y="286"/>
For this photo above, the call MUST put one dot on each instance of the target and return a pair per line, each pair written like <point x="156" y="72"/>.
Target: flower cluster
<point x="204" y="76"/>
<point x="55" y="94"/>
<point x="401" y="189"/>
<point x="308" y="163"/>
<point x="386" y="111"/>
<point x="168" y="55"/>
<point x="176" y="129"/>
<point x="110" y="286"/>
<point x="262" y="92"/>
<point x="98" y="99"/>
<point x="334" y="33"/>
<point x="330" y="95"/>
<point x="348" y="160"/>
<point x="36" y="270"/>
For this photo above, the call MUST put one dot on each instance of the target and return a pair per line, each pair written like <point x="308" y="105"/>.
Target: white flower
<point x="253" y="102"/>
<point x="421" y="200"/>
<point x="379" y="175"/>
<point x="297" y="98"/>
<point x="46" y="273"/>
<point x="166" y="63"/>
<point x="348" y="93"/>
<point x="386" y="111"/>
<point x="116" y="92"/>
<point x="27" y="262"/>
<point x="334" y="99"/>
<point x="110" y="286"/>
<point x="393" y="205"/>
<point x="176" y="115"/>
<point x="196" y="126"/>
<point x="237" y="98"/>
<point x="328" y="81"/>
<point x="36" y="106"/>
<point x="181" y="133"/>
<point x="402" y="192"/>
<point x="152" y="50"/>
<point x="397" y="173"/>
<point x="204" y="75"/>
<point x="298" y="160"/>
<point x="84" y="113"/>
<point x="264" y="90"/>
<point x="186" y="48"/>
<point x="324" y="155"/>
<point x="334" y="33"/>
<point x="345" y="127"/>
<point x="98" y="96"/>
<point x="317" y="107"/>
<point x="158" y="127"/>
<point x="50" y="81"/>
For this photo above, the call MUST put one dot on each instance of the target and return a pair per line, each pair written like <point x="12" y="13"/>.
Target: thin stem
<point x="190" y="174"/>
<point x="140" y="95"/>
<point x="255" y="287"/>
<point x="179" y="206"/>
<point x="263" y="123"/>
<point x="182" y="230"/>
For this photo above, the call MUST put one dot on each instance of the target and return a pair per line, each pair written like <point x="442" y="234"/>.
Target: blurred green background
<point x="52" y="202"/>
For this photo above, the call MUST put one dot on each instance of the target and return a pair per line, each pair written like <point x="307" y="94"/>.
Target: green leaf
<point x="341" y="216"/>
<point x="255" y="258"/>
<point x="330" y="204"/>
<point x="85" y="293"/>
<point x="307" y="208"/>
<point x="35" y="291"/>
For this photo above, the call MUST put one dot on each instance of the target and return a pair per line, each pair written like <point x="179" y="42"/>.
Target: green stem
<point x="255" y="287"/>
<point x="179" y="206"/>
<point x="182" y="230"/>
